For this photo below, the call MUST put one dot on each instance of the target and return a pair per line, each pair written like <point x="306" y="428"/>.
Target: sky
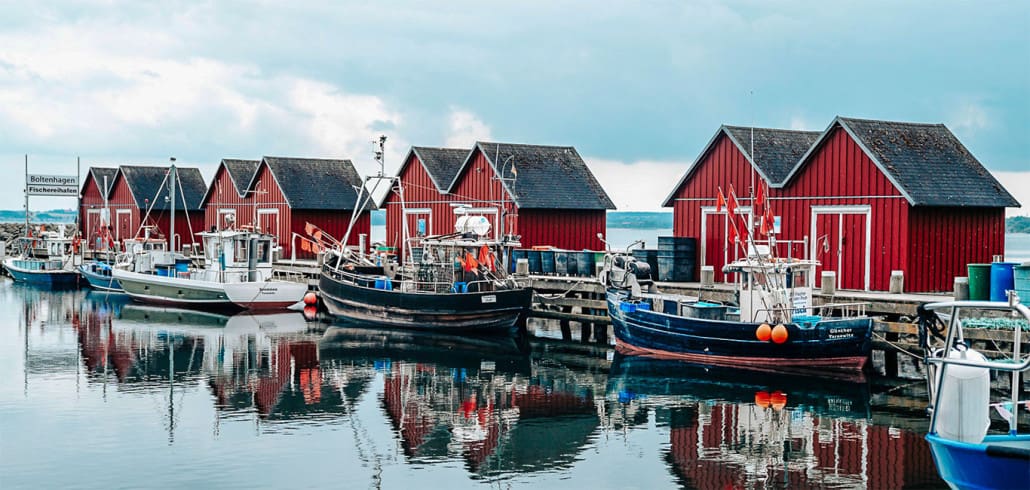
<point x="637" y="87"/>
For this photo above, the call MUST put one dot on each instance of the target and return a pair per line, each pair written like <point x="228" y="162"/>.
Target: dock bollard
<point x="522" y="267"/>
<point x="829" y="282"/>
<point x="707" y="276"/>
<point x="961" y="288"/>
<point x="897" y="284"/>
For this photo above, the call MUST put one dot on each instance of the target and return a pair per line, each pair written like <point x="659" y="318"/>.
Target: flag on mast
<point x="720" y="201"/>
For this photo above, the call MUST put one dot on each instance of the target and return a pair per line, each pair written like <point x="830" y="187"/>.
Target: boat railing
<point x="413" y="285"/>
<point x="1013" y="362"/>
<point x="844" y="310"/>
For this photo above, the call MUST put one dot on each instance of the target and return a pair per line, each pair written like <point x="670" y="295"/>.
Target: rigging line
<point x="898" y="347"/>
<point x="186" y="211"/>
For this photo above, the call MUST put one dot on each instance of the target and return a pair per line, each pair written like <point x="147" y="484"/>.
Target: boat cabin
<point x="237" y="256"/>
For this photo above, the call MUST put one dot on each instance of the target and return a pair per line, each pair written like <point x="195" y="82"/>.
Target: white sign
<point x="51" y="185"/>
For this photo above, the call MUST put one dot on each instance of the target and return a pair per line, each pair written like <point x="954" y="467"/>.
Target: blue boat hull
<point x="833" y="343"/>
<point x="50" y="278"/>
<point x="96" y="280"/>
<point x="1000" y="461"/>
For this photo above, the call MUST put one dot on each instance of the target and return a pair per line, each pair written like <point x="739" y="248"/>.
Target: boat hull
<point x="839" y="344"/>
<point x="269" y="295"/>
<point x="102" y="282"/>
<point x="998" y="462"/>
<point x="173" y="291"/>
<point x="480" y="311"/>
<point x="52" y="278"/>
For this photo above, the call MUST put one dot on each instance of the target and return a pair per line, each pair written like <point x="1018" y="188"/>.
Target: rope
<point x="562" y="295"/>
<point x="897" y="347"/>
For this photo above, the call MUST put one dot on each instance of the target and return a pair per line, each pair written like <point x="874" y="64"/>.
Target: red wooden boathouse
<point x="228" y="194"/>
<point x="96" y="188"/>
<point x="545" y="194"/>
<point x="288" y="193"/>
<point x="866" y="198"/>
<point x="133" y="192"/>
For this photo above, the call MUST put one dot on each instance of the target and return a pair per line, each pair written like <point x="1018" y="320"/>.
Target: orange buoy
<point x="310" y="312"/>
<point x="763" y="332"/>
<point x="310" y="298"/>
<point x="762" y="399"/>
<point x="779" y="334"/>
<point x="778" y="400"/>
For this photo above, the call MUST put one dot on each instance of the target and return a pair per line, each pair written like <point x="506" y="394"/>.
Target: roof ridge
<point x="728" y="126"/>
<point x="908" y="123"/>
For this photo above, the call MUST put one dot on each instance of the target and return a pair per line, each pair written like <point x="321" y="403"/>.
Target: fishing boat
<point x="773" y="326"/>
<point x="236" y="271"/>
<point x="968" y="453"/>
<point x="459" y="281"/>
<point x="147" y="248"/>
<point x="45" y="257"/>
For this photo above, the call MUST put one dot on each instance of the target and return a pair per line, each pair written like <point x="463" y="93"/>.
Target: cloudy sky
<point x="637" y="87"/>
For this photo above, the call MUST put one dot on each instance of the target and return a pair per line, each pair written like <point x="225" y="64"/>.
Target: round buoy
<point x="310" y="312"/>
<point x="310" y="298"/>
<point x="762" y="399"/>
<point x="778" y="400"/>
<point x="763" y="332"/>
<point x="779" y="334"/>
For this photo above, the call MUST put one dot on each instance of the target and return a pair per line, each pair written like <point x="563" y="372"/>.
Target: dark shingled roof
<point x="241" y="172"/>
<point x="144" y="183"/>
<point x="927" y="163"/>
<point x="778" y="150"/>
<point x="442" y="164"/>
<point x="315" y="183"/>
<point x="548" y="177"/>
<point x="98" y="177"/>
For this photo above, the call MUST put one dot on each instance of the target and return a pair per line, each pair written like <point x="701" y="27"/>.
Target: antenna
<point x="380" y="152"/>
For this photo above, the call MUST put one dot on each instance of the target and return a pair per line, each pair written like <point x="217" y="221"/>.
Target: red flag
<point x="769" y="220"/>
<point x="731" y="233"/>
<point x="720" y="201"/>
<point x="764" y="227"/>
<point x="731" y="203"/>
<point x="305" y="245"/>
<point x="760" y="197"/>
<point x="309" y="228"/>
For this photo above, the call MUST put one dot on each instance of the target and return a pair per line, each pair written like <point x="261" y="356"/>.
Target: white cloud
<point x="465" y="128"/>
<point x="799" y="123"/>
<point x="1018" y="184"/>
<point x="637" y="186"/>
<point x="969" y="118"/>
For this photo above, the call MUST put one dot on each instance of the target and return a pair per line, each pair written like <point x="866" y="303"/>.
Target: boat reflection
<point x="477" y="399"/>
<point x="741" y="429"/>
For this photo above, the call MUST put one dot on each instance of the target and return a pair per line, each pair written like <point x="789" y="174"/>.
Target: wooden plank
<point x="570" y="316"/>
<point x="563" y="301"/>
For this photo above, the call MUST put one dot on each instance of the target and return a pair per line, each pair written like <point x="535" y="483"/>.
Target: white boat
<point x="45" y="258"/>
<point x="958" y="377"/>
<point x="236" y="273"/>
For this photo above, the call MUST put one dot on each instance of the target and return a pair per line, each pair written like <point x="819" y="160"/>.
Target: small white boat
<point x="959" y="382"/>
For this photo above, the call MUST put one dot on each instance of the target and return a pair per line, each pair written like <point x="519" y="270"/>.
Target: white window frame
<point x="863" y="209"/>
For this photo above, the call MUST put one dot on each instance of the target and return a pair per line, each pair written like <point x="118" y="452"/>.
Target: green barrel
<point x="979" y="282"/>
<point x="1021" y="275"/>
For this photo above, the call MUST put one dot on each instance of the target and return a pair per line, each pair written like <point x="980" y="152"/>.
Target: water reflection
<point x="477" y="399"/>
<point x="397" y="406"/>
<point x="743" y="429"/>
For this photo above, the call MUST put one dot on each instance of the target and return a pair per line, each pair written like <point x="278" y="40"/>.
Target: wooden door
<point x="123" y="229"/>
<point x="842" y="245"/>
<point x="852" y="273"/>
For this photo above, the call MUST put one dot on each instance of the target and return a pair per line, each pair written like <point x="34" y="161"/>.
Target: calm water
<point x="98" y="393"/>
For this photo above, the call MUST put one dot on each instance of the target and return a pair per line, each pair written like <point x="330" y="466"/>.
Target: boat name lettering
<point x="490" y="298"/>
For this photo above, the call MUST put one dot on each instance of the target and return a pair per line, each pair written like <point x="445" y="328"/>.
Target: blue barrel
<point x="572" y="266"/>
<point x="547" y="261"/>
<point x="534" y="262"/>
<point x="1001" y="280"/>
<point x="182" y="265"/>
<point x="162" y="271"/>
<point x="516" y="255"/>
<point x="1021" y="282"/>
<point x="585" y="263"/>
<point x="561" y="262"/>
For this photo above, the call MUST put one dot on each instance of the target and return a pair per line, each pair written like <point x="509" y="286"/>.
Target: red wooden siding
<point x="91" y="199"/>
<point x="124" y="224"/>
<point x="724" y="165"/>
<point x="944" y="240"/>
<point x="333" y="222"/>
<point x="419" y="193"/>
<point x="223" y="195"/>
<point x="562" y="228"/>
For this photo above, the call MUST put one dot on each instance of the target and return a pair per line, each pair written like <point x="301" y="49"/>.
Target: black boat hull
<point x="481" y="311"/>
<point x="833" y="343"/>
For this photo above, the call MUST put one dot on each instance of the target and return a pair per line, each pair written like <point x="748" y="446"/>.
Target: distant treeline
<point x="649" y="220"/>
<point x="51" y="216"/>
<point x="1017" y="224"/>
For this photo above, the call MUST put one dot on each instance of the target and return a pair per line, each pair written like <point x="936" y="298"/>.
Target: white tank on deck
<point x="963" y="413"/>
<point x="472" y="224"/>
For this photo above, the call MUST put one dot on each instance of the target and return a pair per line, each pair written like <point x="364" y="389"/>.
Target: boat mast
<point x="26" y="194"/>
<point x="361" y="200"/>
<point x="171" y="194"/>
